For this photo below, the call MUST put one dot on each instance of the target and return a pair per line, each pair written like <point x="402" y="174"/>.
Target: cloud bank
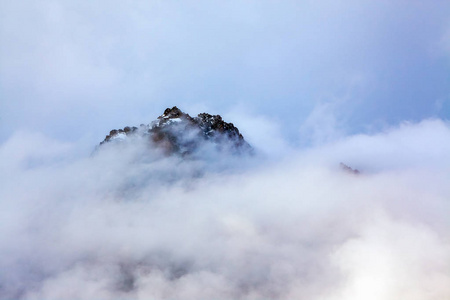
<point x="128" y="223"/>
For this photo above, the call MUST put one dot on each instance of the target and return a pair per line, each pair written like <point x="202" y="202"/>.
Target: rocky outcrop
<point x="177" y="132"/>
<point x="348" y="169"/>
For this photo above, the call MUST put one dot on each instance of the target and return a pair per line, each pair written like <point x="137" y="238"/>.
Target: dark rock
<point x="177" y="132"/>
<point x="173" y="112"/>
<point x="348" y="169"/>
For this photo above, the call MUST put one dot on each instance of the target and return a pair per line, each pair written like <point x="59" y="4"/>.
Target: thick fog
<point x="127" y="222"/>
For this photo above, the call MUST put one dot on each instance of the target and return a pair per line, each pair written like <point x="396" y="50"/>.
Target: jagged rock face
<point x="348" y="169"/>
<point x="177" y="132"/>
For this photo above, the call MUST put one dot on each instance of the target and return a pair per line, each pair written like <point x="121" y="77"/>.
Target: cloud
<point x="389" y="258"/>
<point x="322" y="125"/>
<point x="126" y="222"/>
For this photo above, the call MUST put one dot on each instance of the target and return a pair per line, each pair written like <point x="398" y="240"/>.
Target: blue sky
<point x="74" y="71"/>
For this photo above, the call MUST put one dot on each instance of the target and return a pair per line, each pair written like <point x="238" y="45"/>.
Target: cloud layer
<point x="128" y="223"/>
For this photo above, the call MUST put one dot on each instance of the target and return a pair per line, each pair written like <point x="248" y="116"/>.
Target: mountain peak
<point x="171" y="113"/>
<point x="177" y="132"/>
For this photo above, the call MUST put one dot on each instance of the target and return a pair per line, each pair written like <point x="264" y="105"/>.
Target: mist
<point x="128" y="222"/>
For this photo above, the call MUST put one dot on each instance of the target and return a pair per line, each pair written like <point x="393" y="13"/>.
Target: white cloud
<point x="126" y="223"/>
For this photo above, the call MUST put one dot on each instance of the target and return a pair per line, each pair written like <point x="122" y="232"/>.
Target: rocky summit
<point x="176" y="132"/>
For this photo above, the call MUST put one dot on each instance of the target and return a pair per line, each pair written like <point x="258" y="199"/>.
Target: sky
<point x="75" y="71"/>
<point x="310" y="84"/>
